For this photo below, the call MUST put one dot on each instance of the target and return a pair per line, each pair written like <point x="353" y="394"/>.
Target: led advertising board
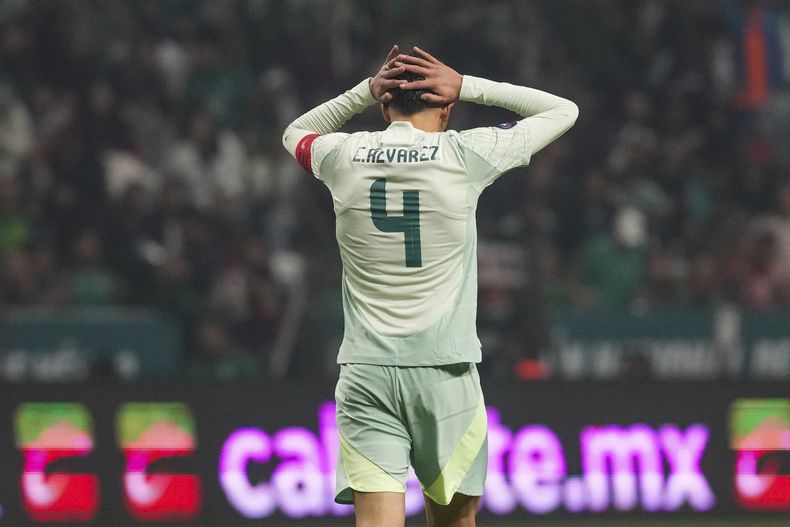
<point x="222" y="454"/>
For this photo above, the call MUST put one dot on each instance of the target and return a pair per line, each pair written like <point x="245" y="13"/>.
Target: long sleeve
<point x="311" y="136"/>
<point x="545" y="118"/>
<point x="549" y="116"/>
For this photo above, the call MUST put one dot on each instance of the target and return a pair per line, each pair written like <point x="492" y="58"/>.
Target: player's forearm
<point x="329" y="116"/>
<point x="519" y="99"/>
<point x="548" y="116"/>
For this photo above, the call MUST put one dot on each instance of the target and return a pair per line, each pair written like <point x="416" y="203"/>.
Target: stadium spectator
<point x="16" y="228"/>
<point x="613" y="264"/>
<point x="216" y="357"/>
<point x="210" y="160"/>
<point x="777" y="225"/>
<point x="91" y="282"/>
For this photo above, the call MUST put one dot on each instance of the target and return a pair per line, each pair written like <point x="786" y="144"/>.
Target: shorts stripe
<point x="452" y="475"/>
<point x="363" y="475"/>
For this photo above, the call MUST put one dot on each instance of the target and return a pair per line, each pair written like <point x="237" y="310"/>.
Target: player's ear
<point x="444" y="115"/>
<point x="385" y="112"/>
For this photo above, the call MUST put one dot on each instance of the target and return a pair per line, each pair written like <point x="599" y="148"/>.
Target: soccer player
<point x="405" y="201"/>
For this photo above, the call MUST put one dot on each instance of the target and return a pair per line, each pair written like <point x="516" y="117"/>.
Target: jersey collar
<point x="399" y="133"/>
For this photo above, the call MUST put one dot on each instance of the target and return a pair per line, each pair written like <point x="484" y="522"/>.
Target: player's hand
<point x="442" y="81"/>
<point x="385" y="80"/>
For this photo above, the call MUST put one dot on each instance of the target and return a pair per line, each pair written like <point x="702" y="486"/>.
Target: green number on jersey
<point x="408" y="224"/>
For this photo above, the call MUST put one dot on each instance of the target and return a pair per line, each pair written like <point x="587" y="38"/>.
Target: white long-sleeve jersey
<point x="405" y="204"/>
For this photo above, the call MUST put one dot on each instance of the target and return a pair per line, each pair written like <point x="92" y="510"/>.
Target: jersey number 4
<point x="408" y="224"/>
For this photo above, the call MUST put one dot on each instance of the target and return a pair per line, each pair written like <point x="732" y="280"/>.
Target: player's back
<point x="405" y="202"/>
<point x="405" y="208"/>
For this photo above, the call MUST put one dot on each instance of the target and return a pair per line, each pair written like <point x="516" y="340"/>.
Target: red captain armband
<point x="303" y="155"/>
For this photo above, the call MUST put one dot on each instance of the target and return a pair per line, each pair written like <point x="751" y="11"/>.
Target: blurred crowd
<point x="141" y="161"/>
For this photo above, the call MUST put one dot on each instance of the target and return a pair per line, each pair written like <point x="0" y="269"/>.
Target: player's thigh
<point x="380" y="509"/>
<point x="374" y="440"/>
<point x="448" y="426"/>
<point x="460" y="512"/>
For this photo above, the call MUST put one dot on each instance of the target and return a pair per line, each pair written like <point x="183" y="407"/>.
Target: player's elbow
<point x="287" y="137"/>
<point x="567" y="112"/>
<point x="291" y="138"/>
<point x="571" y="111"/>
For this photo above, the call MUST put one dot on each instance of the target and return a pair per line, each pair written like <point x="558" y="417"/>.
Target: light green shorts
<point x="431" y="417"/>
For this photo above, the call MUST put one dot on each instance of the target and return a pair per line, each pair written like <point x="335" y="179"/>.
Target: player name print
<point x="364" y="154"/>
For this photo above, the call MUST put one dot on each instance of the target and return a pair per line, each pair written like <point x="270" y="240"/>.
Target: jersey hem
<point x="374" y="357"/>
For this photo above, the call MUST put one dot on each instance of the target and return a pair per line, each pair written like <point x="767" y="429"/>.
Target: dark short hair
<point x="408" y="102"/>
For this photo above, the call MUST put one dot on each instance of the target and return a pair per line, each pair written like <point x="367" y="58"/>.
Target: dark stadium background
<point x="158" y="244"/>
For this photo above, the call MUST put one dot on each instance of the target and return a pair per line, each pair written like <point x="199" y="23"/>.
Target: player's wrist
<point x="364" y="91"/>
<point x="459" y="84"/>
<point x="466" y="93"/>
<point x="472" y="88"/>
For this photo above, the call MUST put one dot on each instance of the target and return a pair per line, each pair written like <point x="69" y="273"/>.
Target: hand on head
<point x="385" y="80"/>
<point x="443" y="84"/>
